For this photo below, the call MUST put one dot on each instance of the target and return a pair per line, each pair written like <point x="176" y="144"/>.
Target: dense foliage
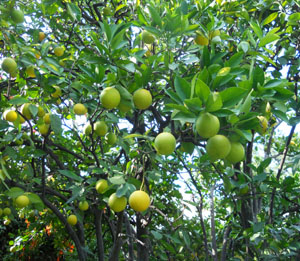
<point x="237" y="60"/>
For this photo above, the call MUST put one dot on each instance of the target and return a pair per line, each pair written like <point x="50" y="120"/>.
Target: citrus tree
<point x="150" y="130"/>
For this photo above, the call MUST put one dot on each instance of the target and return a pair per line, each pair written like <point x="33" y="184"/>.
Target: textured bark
<point x="98" y="224"/>
<point x="115" y="251"/>
<point x="143" y="244"/>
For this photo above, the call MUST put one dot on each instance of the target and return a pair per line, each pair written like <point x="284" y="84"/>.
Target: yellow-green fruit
<point x="30" y="71"/>
<point x="87" y="129"/>
<point x="72" y="220"/>
<point x="41" y="112"/>
<point x="111" y="138"/>
<point x="46" y="118"/>
<point x="218" y="147"/>
<point x="207" y="125"/>
<point x="100" y="128"/>
<point x="44" y="129"/>
<point x="117" y="204"/>
<point x="214" y="33"/>
<point x="139" y="201"/>
<point x="80" y="109"/>
<point x="25" y="111"/>
<point x="57" y="92"/>
<point x="17" y="16"/>
<point x="101" y="186"/>
<point x="237" y="153"/>
<point x="22" y="201"/>
<point x="83" y="205"/>
<point x="165" y="143"/>
<point x="147" y="37"/>
<point x="201" y="40"/>
<point x="110" y="98"/>
<point x="10" y="116"/>
<point x="142" y="99"/>
<point x="244" y="190"/>
<point x="6" y="211"/>
<point x="9" y="65"/>
<point x="42" y="36"/>
<point x="59" y="51"/>
<point x="1" y="212"/>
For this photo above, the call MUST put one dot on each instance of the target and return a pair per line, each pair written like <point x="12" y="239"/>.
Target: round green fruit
<point x="237" y="153"/>
<point x="46" y="118"/>
<point x="22" y="201"/>
<point x="72" y="220"/>
<point x="117" y="204"/>
<point x="142" y="99"/>
<point x="87" y="129"/>
<point x="83" y="205"/>
<point x="9" y="65"/>
<point x="165" y="143"/>
<point x="10" y="116"/>
<point x="41" y="112"/>
<point x="110" y="98"/>
<point x="139" y="201"/>
<point x="111" y="138"/>
<point x="17" y="16"/>
<point x="59" y="51"/>
<point x="101" y="186"/>
<point x="80" y="109"/>
<point x="147" y="37"/>
<point x="100" y="128"/>
<point x="218" y="147"/>
<point x="207" y="125"/>
<point x="57" y="92"/>
<point x="44" y="129"/>
<point x="25" y="111"/>
<point x="6" y="211"/>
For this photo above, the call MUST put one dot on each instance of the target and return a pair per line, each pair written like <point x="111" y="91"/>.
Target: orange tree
<point x="180" y="99"/>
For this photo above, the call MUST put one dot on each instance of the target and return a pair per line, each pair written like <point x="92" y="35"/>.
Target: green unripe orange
<point x="218" y="147"/>
<point x="139" y="201"/>
<point x="72" y="220"/>
<point x="110" y="98"/>
<point x="100" y="128"/>
<point x="101" y="186"/>
<point x="142" y="99"/>
<point x="17" y="16"/>
<point x="9" y="65"/>
<point x="59" y="51"/>
<point x="6" y="211"/>
<point x="83" y="205"/>
<point x="147" y="37"/>
<point x="10" y="116"/>
<point x="207" y="125"/>
<point x="117" y="204"/>
<point x="111" y="138"/>
<point x="165" y="143"/>
<point x="237" y="153"/>
<point x="80" y="109"/>
<point x="22" y="201"/>
<point x="87" y="129"/>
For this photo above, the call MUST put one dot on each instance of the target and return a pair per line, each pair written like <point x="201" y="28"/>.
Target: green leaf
<point x="260" y="177"/>
<point x="235" y="60"/>
<point x="74" y="11"/>
<point x="194" y="104"/>
<point x="3" y="125"/>
<point x="14" y="192"/>
<point x="155" y="16"/>
<point x="268" y="39"/>
<point x="257" y="30"/>
<point x="18" y="100"/>
<point x="258" y="76"/>
<point x="246" y="106"/>
<point x="183" y="116"/>
<point x="270" y="18"/>
<point x="258" y="226"/>
<point x="182" y="87"/>
<point x="33" y="109"/>
<point x="202" y="90"/>
<point x="55" y="124"/>
<point x="156" y="235"/>
<point x="214" y="102"/>
<point x="232" y="95"/>
<point x="117" y="180"/>
<point x="70" y="174"/>
<point x="124" y="189"/>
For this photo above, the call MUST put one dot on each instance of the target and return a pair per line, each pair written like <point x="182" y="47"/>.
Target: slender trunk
<point x="115" y="251"/>
<point x="130" y="238"/>
<point x="98" y="225"/>
<point x="143" y="240"/>
<point x="225" y="242"/>
<point x="213" y="229"/>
